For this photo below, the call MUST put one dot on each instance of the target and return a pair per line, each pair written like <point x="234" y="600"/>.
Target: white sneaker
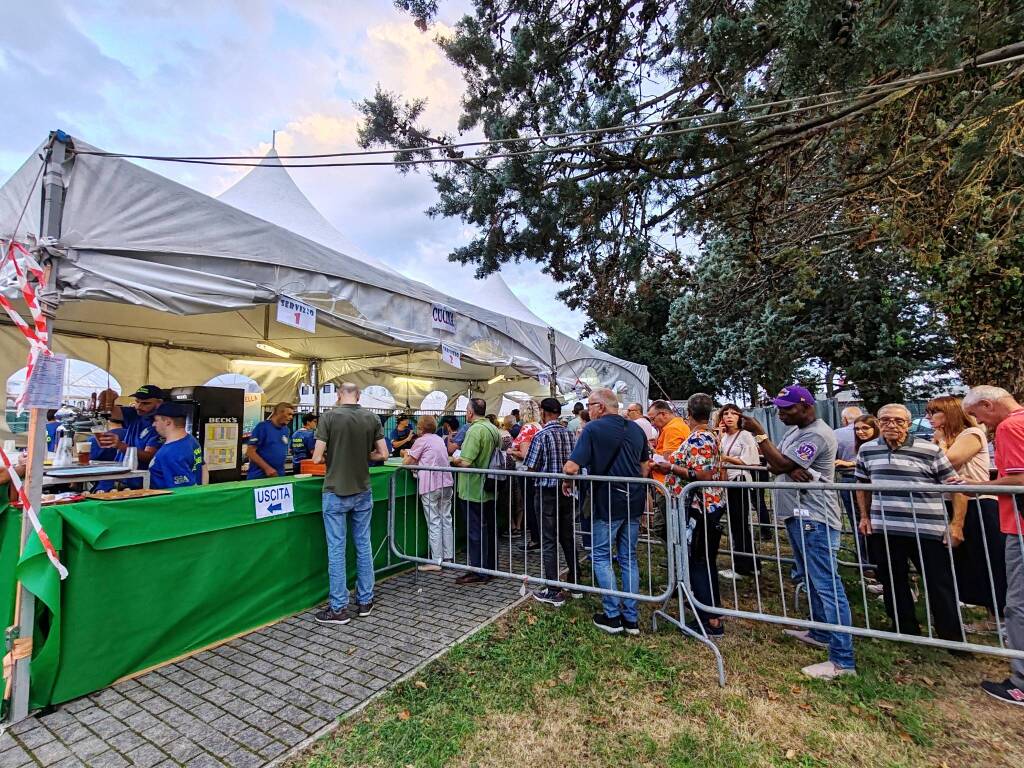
<point x="729" y="573"/>
<point x="826" y="670"/>
<point x="804" y="636"/>
<point x="428" y="567"/>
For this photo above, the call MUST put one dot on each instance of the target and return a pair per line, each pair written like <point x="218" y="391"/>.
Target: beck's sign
<point x="273" y="500"/>
<point x="443" y="318"/>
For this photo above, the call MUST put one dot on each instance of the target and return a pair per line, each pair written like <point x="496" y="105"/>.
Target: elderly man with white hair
<point x="904" y="527"/>
<point x="997" y="409"/>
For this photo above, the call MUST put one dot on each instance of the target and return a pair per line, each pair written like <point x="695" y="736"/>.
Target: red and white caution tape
<point x="36" y="334"/>
<point x="44" y="539"/>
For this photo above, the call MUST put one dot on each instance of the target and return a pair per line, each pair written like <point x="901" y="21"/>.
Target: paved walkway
<point x="253" y="700"/>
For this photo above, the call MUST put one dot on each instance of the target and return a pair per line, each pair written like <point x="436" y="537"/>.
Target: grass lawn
<point x="542" y="687"/>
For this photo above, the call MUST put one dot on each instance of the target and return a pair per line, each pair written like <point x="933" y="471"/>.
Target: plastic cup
<point x="84" y="451"/>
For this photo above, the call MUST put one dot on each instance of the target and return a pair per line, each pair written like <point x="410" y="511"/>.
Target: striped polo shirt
<point x="915" y="462"/>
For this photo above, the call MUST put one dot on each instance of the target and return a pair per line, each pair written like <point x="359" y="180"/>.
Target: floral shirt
<point x="526" y="432"/>
<point x="700" y="453"/>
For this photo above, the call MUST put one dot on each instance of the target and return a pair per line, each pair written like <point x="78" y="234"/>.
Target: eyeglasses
<point x="591" y="405"/>
<point x="892" y="420"/>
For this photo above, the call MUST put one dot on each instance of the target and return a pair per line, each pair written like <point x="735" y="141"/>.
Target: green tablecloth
<point x="10" y="537"/>
<point x="152" y="579"/>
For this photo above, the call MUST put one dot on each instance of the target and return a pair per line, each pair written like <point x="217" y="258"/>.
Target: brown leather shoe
<point x="471" y="578"/>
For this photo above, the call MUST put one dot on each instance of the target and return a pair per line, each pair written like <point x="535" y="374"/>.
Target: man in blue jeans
<point x="349" y="437"/>
<point x="613" y="446"/>
<point x="813" y="521"/>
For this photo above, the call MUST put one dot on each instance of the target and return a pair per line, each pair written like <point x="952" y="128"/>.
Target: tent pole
<point x="24" y="616"/>
<point x="314" y="380"/>
<point x="553" y="384"/>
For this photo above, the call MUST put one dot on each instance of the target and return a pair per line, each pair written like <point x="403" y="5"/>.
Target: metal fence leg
<point x="675" y="516"/>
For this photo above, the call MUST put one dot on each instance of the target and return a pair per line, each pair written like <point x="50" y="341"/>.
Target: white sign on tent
<point x="442" y="318"/>
<point x="451" y="356"/>
<point x="296" y="314"/>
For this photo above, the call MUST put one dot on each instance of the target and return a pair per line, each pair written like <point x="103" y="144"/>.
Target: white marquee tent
<point x="156" y="282"/>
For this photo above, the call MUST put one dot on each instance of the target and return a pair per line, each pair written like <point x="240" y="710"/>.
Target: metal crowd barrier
<point x="918" y="589"/>
<point x="519" y="503"/>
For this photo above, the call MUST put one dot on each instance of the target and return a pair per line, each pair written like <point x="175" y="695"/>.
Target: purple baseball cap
<point x="792" y="395"/>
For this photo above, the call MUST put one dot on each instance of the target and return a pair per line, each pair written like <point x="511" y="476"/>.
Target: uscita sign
<point x="273" y="500"/>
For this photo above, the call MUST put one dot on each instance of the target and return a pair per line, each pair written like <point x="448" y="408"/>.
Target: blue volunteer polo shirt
<point x="271" y="443"/>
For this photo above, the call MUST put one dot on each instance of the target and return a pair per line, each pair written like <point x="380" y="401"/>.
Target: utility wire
<point x="476" y="159"/>
<point x="863" y="91"/>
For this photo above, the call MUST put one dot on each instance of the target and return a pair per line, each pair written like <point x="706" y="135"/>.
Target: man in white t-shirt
<point x="635" y="413"/>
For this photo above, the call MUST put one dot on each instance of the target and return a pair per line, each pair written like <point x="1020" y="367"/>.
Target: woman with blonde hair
<point x="529" y="420"/>
<point x="980" y="558"/>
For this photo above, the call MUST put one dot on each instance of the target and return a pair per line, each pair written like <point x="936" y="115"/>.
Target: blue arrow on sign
<point x="274" y="508"/>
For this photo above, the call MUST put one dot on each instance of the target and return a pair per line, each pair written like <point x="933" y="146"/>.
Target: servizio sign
<point x="272" y="500"/>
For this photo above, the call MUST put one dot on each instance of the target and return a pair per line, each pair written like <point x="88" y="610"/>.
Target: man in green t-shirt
<point x="478" y="504"/>
<point x="349" y="437"/>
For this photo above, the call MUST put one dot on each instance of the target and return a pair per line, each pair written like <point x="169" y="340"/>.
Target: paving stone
<point x="204" y="760"/>
<point x="244" y="759"/>
<point x="182" y="749"/>
<point x="160" y="734"/>
<point x="218" y="744"/>
<point x="286" y="733"/>
<point x="109" y="759"/>
<point x="108" y="727"/>
<point x="56" y="719"/>
<point x="69" y="734"/>
<point x="127" y="741"/>
<point x="69" y="762"/>
<point x="124" y="709"/>
<point x="228" y="724"/>
<point x="89" y="747"/>
<point x="146" y="756"/>
<point x="156" y="705"/>
<point x="314" y="724"/>
<point x="50" y="753"/>
<point x="273" y="749"/>
<point x="252" y="738"/>
<point x="37" y="737"/>
<point x="140" y="721"/>
<point x="91" y="715"/>
<point x="13" y="755"/>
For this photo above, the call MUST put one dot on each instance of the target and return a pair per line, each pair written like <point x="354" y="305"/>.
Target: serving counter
<point x="155" y="578"/>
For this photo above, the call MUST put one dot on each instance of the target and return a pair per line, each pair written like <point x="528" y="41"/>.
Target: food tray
<point x="128" y="493"/>
<point x="82" y="471"/>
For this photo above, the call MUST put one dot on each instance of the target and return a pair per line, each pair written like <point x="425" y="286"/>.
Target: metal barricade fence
<point x="532" y="531"/>
<point x="919" y="584"/>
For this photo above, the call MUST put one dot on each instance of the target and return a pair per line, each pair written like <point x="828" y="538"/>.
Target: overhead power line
<point x="851" y="96"/>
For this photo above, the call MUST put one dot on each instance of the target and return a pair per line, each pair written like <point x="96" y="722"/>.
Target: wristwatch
<point x="760" y="438"/>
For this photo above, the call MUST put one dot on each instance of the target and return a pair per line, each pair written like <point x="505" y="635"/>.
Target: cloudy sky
<point x="185" y="77"/>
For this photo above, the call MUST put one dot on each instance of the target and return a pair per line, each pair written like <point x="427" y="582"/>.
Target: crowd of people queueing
<point x="896" y="531"/>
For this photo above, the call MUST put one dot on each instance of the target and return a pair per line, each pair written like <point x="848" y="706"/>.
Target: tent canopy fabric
<point x="156" y="279"/>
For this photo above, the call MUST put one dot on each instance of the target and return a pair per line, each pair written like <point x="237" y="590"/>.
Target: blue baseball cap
<point x="170" y="410"/>
<point x="794" y="394"/>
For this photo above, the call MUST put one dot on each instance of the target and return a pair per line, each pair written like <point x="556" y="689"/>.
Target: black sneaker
<point x="365" y="609"/>
<point x="695" y="626"/>
<point x="631" y="627"/>
<point x="612" y="626"/>
<point x="549" y="596"/>
<point x="327" y="616"/>
<point x="531" y="546"/>
<point x="1006" y="692"/>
